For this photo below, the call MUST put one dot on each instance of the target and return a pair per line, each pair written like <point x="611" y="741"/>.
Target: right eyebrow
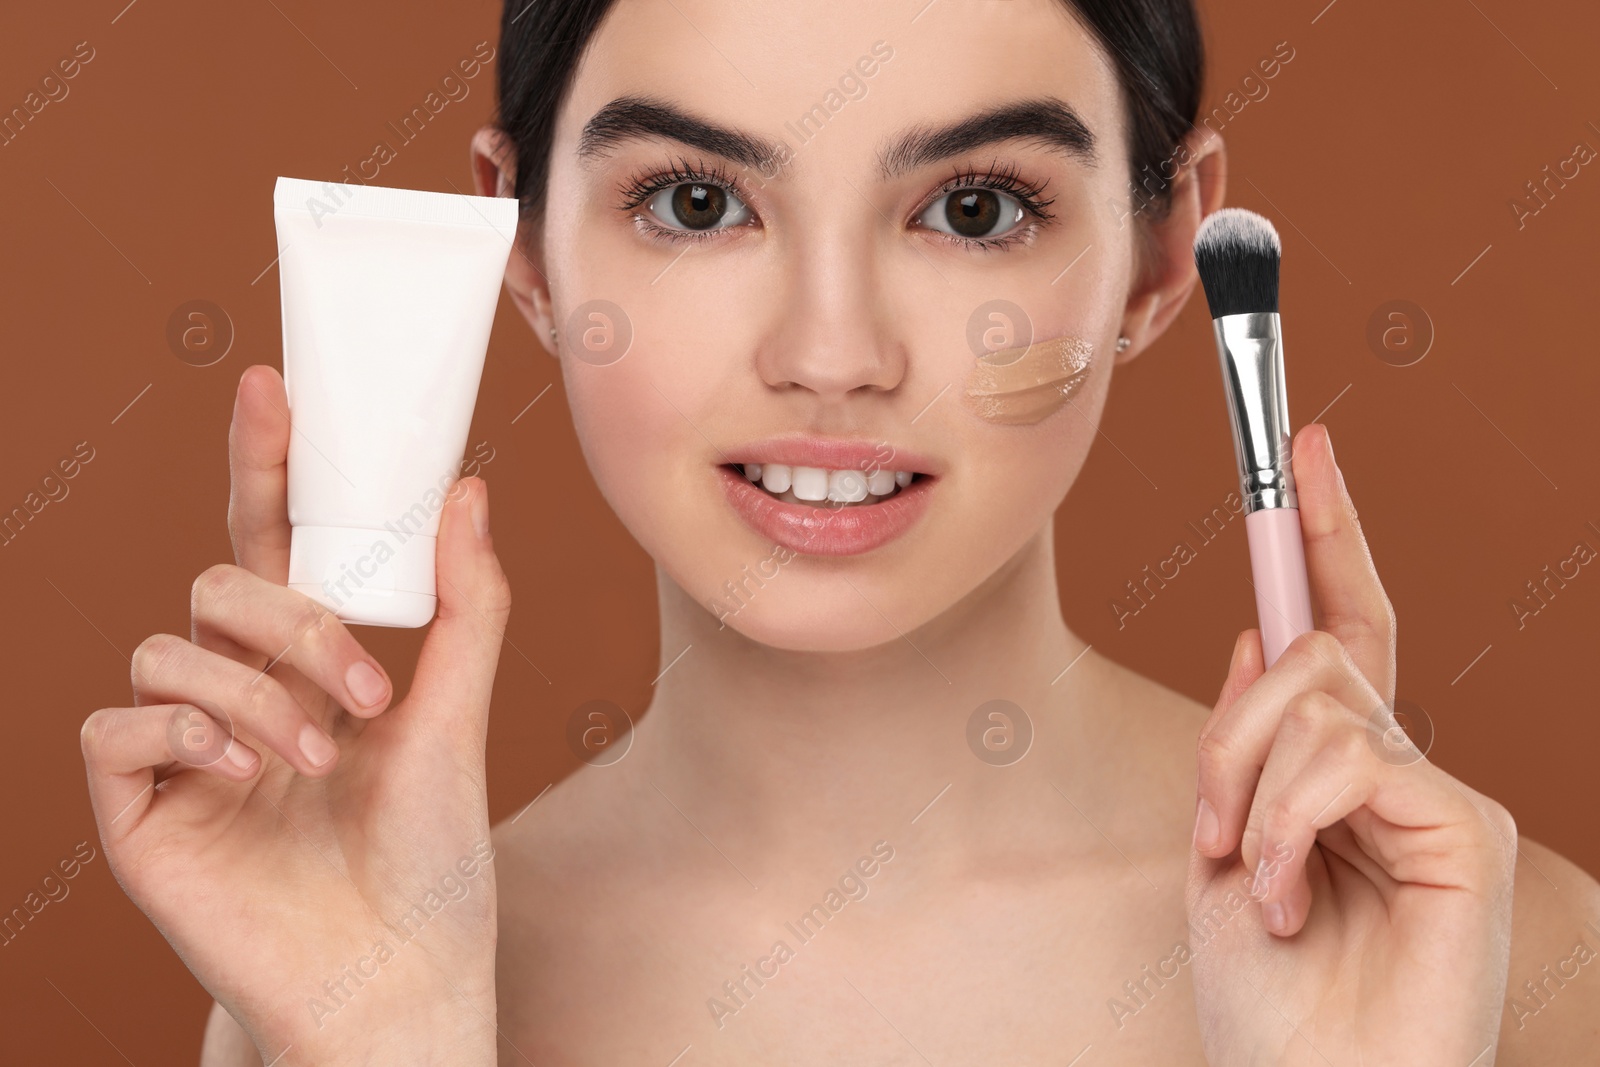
<point x="633" y="117"/>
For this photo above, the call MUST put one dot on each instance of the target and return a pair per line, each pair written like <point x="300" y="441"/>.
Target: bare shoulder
<point x="599" y="835"/>
<point x="571" y="833"/>
<point x="1151" y="732"/>
<point x="1154" y="705"/>
<point x="1552" y="1009"/>
<point x="1162" y="724"/>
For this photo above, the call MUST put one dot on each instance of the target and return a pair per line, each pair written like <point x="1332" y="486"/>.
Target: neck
<point x="812" y="743"/>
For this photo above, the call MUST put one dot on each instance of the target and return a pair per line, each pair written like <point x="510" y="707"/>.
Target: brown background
<point x="1388" y="151"/>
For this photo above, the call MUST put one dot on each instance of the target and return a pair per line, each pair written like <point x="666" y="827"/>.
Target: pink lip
<point x="799" y="450"/>
<point x="825" y="531"/>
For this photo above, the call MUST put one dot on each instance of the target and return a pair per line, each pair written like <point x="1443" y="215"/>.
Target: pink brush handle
<point x="1278" y="567"/>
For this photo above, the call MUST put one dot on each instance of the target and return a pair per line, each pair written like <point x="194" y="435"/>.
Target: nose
<point x="831" y="334"/>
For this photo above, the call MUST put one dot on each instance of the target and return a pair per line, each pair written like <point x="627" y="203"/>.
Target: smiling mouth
<point x="823" y="487"/>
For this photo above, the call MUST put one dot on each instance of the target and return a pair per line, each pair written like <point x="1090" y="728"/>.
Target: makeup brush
<point x="1237" y="253"/>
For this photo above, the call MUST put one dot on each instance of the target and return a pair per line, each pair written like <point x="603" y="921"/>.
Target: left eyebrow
<point x="1044" y="120"/>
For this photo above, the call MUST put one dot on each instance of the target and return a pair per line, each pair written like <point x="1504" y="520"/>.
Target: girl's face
<point x="858" y="238"/>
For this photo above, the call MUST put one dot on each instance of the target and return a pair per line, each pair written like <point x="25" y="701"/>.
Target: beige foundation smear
<point x="1021" y="386"/>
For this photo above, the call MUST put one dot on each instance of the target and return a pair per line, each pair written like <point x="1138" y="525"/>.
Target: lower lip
<point x="826" y="531"/>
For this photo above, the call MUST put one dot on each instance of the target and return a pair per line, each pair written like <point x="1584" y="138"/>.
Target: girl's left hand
<point x="1383" y="930"/>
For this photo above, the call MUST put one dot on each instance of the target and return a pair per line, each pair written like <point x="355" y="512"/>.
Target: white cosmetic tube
<point x="388" y="296"/>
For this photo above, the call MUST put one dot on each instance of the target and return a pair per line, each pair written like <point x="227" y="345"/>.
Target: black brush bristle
<point x="1237" y="253"/>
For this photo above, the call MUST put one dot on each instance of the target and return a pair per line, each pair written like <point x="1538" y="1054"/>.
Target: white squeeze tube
<point x="388" y="296"/>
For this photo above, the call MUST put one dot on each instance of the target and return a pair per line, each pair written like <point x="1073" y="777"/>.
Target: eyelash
<point x="1006" y="179"/>
<point x="644" y="185"/>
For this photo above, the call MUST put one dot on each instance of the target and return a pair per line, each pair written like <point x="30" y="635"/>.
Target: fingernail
<point x="1206" y="827"/>
<point x="240" y="756"/>
<point x="365" y="684"/>
<point x="317" y="747"/>
<point x="1276" y="916"/>
<point x="480" y="510"/>
<point x="1328" y="439"/>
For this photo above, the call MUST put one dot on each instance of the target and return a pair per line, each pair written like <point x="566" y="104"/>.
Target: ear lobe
<point x="1119" y="356"/>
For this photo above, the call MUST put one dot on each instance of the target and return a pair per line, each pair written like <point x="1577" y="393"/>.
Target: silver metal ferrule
<point x="1250" y="348"/>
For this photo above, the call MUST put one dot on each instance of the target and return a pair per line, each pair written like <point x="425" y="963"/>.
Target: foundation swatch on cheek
<point x="1021" y="386"/>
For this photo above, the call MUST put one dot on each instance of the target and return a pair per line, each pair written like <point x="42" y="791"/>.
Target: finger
<point x="456" y="668"/>
<point x="289" y="627"/>
<point x="1310" y="722"/>
<point x="1341" y="840"/>
<point x="1244" y="668"/>
<point x="1349" y="598"/>
<point x="1248" y="664"/>
<point x="123" y="748"/>
<point x="168" y="668"/>
<point x="1407" y="821"/>
<point x="1235" y="743"/>
<point x="258" y="466"/>
<point x="1423" y="827"/>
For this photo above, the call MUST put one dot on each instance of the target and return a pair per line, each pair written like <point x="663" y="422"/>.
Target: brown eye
<point x="974" y="214"/>
<point x="697" y="206"/>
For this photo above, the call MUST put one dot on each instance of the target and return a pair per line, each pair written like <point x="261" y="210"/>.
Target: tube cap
<point x="369" y="577"/>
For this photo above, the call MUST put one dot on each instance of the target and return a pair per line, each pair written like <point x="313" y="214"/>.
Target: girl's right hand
<point x="323" y="867"/>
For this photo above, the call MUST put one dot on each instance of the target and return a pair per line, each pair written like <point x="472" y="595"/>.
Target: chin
<point x="801" y="613"/>
<point x="797" y="602"/>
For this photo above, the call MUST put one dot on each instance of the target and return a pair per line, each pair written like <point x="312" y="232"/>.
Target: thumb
<point x="455" y="670"/>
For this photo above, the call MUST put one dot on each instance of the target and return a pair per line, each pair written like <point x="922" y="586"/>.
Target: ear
<point x="1165" y="272"/>
<point x="494" y="163"/>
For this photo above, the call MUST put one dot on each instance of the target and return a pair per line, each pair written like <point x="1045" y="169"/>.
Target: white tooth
<point x="775" y="477"/>
<point x="752" y="471"/>
<point x="846" y="486"/>
<point x="810" y="483"/>
<point x="902" y="478"/>
<point x="880" y="482"/>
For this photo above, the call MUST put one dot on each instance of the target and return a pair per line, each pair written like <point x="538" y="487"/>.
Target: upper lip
<point x="833" y="453"/>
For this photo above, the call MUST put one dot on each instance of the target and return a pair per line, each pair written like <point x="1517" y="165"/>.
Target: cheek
<point x="642" y="452"/>
<point x="650" y="426"/>
<point x="622" y="399"/>
<point x="1024" y="386"/>
<point x="1027" y="407"/>
<point x="1015" y="475"/>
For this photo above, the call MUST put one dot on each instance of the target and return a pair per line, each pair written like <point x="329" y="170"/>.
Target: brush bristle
<point x="1237" y="253"/>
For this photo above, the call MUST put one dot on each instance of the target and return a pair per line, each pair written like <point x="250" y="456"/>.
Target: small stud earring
<point x="1123" y="344"/>
<point x="552" y="335"/>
